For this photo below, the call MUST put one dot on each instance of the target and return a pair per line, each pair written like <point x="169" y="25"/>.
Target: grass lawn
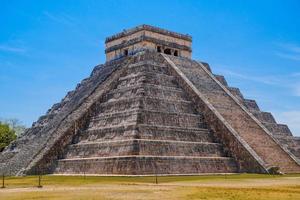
<point x="218" y="187"/>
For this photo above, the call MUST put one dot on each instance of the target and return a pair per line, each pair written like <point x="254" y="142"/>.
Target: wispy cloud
<point x="288" y="51"/>
<point x="289" y="56"/>
<point x="61" y="18"/>
<point x="270" y="80"/>
<point x="290" y="47"/>
<point x="290" y="82"/>
<point x="75" y="25"/>
<point x="12" y="49"/>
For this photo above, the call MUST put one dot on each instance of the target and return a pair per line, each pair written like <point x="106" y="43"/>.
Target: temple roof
<point x="130" y="31"/>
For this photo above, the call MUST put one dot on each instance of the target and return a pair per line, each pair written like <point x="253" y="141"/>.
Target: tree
<point x="7" y="135"/>
<point x="16" y="125"/>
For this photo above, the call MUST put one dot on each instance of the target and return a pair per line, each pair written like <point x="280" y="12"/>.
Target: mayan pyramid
<point x="151" y="109"/>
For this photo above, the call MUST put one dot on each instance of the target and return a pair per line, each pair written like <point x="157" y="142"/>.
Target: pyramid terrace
<point x="152" y="109"/>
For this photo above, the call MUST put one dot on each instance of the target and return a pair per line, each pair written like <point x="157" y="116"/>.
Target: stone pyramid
<point x="151" y="109"/>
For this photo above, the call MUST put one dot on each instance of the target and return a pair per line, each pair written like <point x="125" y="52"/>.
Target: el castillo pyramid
<point x="151" y="109"/>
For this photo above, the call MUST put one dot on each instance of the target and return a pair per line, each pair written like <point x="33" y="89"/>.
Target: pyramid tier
<point x="147" y="77"/>
<point x="144" y="121"/>
<point x="147" y="165"/>
<point x="147" y="103"/>
<point x="151" y="67"/>
<point x="169" y="93"/>
<point x="144" y="147"/>
<point x="148" y="117"/>
<point x="144" y="131"/>
<point x="156" y="132"/>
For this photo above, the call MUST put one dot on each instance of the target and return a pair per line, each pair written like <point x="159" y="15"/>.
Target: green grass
<point x="229" y="187"/>
<point x="30" y="181"/>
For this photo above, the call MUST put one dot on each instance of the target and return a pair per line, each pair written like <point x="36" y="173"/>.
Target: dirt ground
<point x="216" y="188"/>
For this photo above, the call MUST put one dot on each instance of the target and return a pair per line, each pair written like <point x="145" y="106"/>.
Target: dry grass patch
<point x="230" y="187"/>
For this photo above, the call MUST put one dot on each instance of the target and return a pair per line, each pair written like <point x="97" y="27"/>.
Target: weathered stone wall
<point x="245" y="157"/>
<point x="146" y="119"/>
<point x="146" y="37"/>
<point x="150" y="34"/>
<point x="279" y="131"/>
<point x="250" y="130"/>
<point x="23" y="154"/>
<point x="148" y="28"/>
<point x="140" y="115"/>
<point x="147" y="165"/>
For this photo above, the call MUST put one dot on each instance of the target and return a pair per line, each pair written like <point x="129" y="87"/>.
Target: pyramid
<point x="151" y="109"/>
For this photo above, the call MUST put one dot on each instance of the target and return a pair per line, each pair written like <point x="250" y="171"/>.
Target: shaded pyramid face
<point x="145" y="124"/>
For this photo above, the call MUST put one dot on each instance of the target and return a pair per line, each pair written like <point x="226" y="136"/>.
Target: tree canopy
<point x="7" y="135"/>
<point x="16" y="125"/>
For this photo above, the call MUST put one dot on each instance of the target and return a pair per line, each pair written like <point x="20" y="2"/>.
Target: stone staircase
<point x="279" y="131"/>
<point x="255" y="129"/>
<point x="145" y="125"/>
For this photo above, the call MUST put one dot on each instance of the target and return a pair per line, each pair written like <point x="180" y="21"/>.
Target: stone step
<point x="117" y="132"/>
<point x="167" y="105"/>
<point x="264" y="116"/>
<point x="142" y="90"/>
<point x="148" y="103"/>
<point x="251" y="105"/>
<point x="236" y="117"/>
<point x="172" y="119"/>
<point x="144" y="147"/>
<point x="147" y="77"/>
<point x="148" y="117"/>
<point x="113" y="119"/>
<point x="287" y="141"/>
<point x="144" y="131"/>
<point x="119" y="105"/>
<point x="146" y="73"/>
<point x="146" y="165"/>
<point x="278" y="129"/>
<point x="146" y="67"/>
<point x="291" y="143"/>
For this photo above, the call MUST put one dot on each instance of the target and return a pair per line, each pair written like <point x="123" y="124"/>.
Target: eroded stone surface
<point x="144" y="112"/>
<point x="144" y="121"/>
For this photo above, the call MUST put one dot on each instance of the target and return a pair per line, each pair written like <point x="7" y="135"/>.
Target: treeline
<point x="10" y="129"/>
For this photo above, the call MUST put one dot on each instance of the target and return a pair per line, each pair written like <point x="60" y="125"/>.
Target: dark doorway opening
<point x="158" y="49"/>
<point x="125" y="52"/>
<point x="167" y="51"/>
<point x="175" y="53"/>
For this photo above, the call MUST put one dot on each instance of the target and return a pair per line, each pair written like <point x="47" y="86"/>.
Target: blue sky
<point x="47" y="47"/>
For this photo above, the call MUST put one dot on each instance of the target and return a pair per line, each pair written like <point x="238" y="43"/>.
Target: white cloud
<point x="289" y="51"/>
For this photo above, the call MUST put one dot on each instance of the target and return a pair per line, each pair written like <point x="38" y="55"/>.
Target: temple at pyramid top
<point x="148" y="37"/>
<point x="155" y="111"/>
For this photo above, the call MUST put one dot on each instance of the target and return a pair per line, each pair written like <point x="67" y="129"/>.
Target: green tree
<point x="7" y="135"/>
<point x="16" y="125"/>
